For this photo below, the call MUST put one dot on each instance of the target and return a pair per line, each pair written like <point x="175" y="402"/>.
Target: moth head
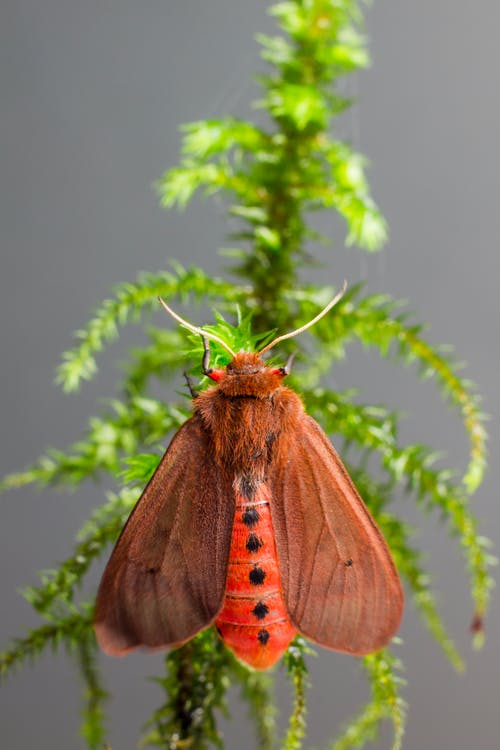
<point x="245" y="363"/>
<point x="247" y="375"/>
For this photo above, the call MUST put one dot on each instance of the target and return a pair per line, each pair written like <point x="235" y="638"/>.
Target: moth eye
<point x="279" y="371"/>
<point x="215" y="374"/>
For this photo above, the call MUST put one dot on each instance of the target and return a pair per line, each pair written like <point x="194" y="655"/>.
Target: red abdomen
<point x="253" y="621"/>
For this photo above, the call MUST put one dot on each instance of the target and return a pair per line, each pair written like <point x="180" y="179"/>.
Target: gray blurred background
<point x="92" y="94"/>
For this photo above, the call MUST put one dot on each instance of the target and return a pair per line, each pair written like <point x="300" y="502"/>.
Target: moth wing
<point x="339" y="581"/>
<point x="165" y="580"/>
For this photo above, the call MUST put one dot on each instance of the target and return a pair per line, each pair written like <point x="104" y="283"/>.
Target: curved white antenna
<point x="195" y="329"/>
<point x="303" y="328"/>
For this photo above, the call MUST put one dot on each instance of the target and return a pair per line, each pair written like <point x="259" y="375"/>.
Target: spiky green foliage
<point x="197" y="679"/>
<point x="94" y="697"/>
<point x="383" y="673"/>
<point x="297" y="671"/>
<point x="271" y="179"/>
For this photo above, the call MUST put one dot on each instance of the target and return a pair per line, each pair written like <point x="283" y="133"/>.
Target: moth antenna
<point x="303" y="328"/>
<point x="195" y="329"/>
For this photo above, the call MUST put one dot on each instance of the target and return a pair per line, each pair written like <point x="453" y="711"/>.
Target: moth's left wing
<point x="339" y="581"/>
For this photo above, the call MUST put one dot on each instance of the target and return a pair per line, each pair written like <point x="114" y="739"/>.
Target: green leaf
<point x="301" y="105"/>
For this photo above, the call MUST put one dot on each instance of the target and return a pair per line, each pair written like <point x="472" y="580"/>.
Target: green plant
<point x="272" y="178"/>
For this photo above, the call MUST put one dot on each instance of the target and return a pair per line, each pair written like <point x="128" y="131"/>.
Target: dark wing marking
<point x="165" y="580"/>
<point x="339" y="581"/>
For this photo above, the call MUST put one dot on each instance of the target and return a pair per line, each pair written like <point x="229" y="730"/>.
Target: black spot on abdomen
<point x="250" y="517"/>
<point x="260" y="610"/>
<point x="248" y="485"/>
<point x="253" y="543"/>
<point x="256" y="576"/>
<point x="263" y="636"/>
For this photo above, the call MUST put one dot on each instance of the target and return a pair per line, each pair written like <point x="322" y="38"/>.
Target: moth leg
<point x="205" y="362"/>
<point x="286" y="370"/>
<point x="190" y="385"/>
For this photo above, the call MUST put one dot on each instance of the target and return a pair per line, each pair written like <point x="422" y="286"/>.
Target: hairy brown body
<point x="246" y="413"/>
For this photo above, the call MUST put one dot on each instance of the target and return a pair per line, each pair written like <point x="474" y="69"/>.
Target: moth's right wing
<point x="165" y="580"/>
